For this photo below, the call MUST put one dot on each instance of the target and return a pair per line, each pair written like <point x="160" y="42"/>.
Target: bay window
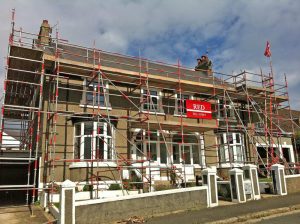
<point x="93" y="140"/>
<point x="231" y="148"/>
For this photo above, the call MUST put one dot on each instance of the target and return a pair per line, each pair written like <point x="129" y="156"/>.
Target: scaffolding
<point x="45" y="83"/>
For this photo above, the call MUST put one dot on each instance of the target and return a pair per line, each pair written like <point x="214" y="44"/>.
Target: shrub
<point x="163" y="187"/>
<point x="113" y="187"/>
<point x="224" y="191"/>
<point x="188" y="184"/>
<point x="87" y="187"/>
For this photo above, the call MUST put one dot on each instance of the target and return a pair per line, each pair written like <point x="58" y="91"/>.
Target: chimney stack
<point x="45" y="31"/>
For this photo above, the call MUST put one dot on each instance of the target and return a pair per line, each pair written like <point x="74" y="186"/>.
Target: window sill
<point x="179" y="115"/>
<point x="164" y="165"/>
<point x="230" y="119"/>
<point x="95" y="107"/>
<point x="89" y="164"/>
<point x="152" y="112"/>
<point x="229" y="165"/>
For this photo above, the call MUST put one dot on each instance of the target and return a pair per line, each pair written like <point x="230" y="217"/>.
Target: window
<point x="231" y="148"/>
<point x="150" y="146"/>
<point x="151" y="100"/>
<point x="259" y="126"/>
<point x="225" y="110"/>
<point x="93" y="140"/>
<point x="163" y="150"/>
<point x="266" y="152"/>
<point x="262" y="152"/>
<point x="188" y="152"/>
<point x="181" y="103"/>
<point x="97" y="95"/>
<point x="139" y="146"/>
<point x="155" y="147"/>
<point x="286" y="154"/>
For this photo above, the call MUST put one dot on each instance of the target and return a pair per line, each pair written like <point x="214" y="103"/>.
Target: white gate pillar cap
<point x="236" y="170"/>
<point x="68" y="184"/>
<point x="208" y="170"/>
<point x="276" y="166"/>
<point x="249" y="166"/>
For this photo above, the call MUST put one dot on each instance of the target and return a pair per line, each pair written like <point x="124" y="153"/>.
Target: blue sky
<point x="234" y="32"/>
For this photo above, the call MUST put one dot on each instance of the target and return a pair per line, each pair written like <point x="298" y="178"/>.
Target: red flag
<point x="268" y="51"/>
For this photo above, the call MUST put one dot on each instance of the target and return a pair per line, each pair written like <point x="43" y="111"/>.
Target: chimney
<point x="45" y="31"/>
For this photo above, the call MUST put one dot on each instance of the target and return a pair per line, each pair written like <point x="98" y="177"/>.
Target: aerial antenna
<point x="207" y="50"/>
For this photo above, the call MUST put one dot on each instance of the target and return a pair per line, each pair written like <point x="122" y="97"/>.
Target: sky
<point x="233" y="32"/>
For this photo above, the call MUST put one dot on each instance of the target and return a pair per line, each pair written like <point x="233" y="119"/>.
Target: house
<point x="99" y="118"/>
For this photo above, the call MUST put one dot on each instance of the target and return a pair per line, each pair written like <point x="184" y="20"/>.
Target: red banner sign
<point x="198" y="109"/>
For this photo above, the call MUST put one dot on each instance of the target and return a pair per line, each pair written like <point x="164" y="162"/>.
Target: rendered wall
<point x="145" y="205"/>
<point x="292" y="183"/>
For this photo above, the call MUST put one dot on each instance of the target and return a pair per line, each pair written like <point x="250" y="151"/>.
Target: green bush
<point x="188" y="184"/>
<point x="114" y="187"/>
<point x="137" y="182"/>
<point x="163" y="187"/>
<point x="268" y="180"/>
<point x="87" y="187"/>
<point x="224" y="191"/>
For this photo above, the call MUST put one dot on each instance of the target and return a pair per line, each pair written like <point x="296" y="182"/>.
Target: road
<point x="228" y="211"/>
<point x="290" y="219"/>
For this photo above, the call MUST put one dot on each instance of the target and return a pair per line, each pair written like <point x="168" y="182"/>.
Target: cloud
<point x="234" y="32"/>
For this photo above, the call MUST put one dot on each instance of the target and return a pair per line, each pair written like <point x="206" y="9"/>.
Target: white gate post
<point x="209" y="179"/>
<point x="278" y="178"/>
<point x="250" y="173"/>
<point x="67" y="203"/>
<point x="237" y="187"/>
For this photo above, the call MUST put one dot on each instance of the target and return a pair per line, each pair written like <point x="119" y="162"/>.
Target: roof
<point x="130" y="63"/>
<point x="286" y="124"/>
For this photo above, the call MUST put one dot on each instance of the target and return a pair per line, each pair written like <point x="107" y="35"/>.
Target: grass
<point x="268" y="180"/>
<point x="57" y="204"/>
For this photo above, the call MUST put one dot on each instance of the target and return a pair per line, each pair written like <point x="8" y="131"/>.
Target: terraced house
<point x="99" y="118"/>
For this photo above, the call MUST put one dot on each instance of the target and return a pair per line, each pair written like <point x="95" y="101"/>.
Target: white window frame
<point x="177" y="111"/>
<point x="291" y="152"/>
<point x="200" y="148"/>
<point x="227" y="146"/>
<point x="93" y="137"/>
<point x="145" y="143"/>
<point x="279" y="147"/>
<point x="199" y="144"/>
<point x="158" y="96"/>
<point x="229" y="107"/>
<point x="104" y="92"/>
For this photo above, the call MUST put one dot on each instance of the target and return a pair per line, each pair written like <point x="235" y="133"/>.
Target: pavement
<point x="228" y="212"/>
<point x="24" y="215"/>
<point x="270" y="209"/>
